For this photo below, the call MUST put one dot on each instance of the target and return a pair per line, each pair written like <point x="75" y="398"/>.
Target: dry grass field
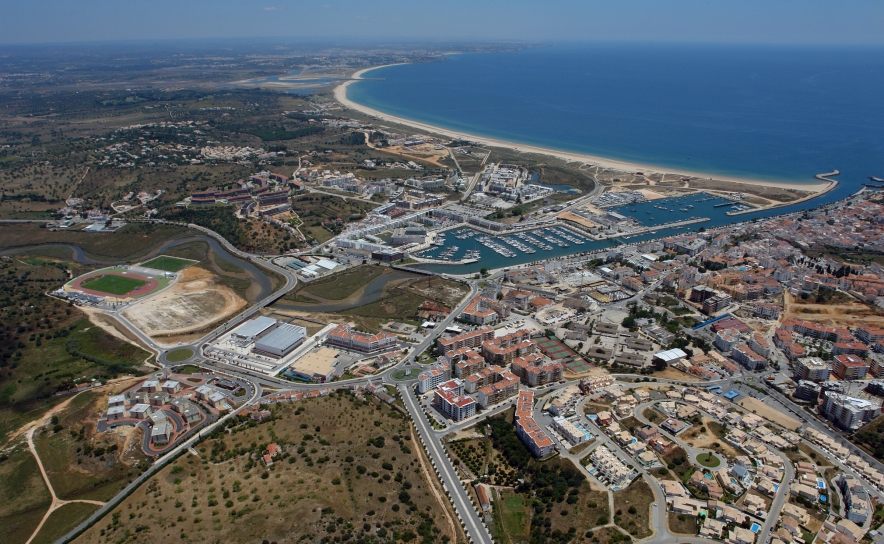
<point x="349" y="469"/>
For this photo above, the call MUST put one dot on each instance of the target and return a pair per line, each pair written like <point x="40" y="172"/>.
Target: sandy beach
<point x="340" y="93"/>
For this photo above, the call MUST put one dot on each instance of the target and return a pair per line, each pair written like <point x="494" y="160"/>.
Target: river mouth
<point x="372" y="292"/>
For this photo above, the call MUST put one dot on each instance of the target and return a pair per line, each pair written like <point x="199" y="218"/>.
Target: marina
<point x="654" y="218"/>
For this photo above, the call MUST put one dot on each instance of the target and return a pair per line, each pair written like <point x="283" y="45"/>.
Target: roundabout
<point x="708" y="459"/>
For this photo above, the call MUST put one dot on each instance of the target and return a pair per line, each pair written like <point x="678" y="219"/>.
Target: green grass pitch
<point x="112" y="284"/>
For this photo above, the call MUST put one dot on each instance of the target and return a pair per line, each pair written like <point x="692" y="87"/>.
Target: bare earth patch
<point x="763" y="410"/>
<point x="197" y="300"/>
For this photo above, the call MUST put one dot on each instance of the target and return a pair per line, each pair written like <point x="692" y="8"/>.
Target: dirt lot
<point x="196" y="301"/>
<point x="422" y="152"/>
<point x="845" y="314"/>
<point x="675" y="374"/>
<point x="761" y="409"/>
<point x="697" y="438"/>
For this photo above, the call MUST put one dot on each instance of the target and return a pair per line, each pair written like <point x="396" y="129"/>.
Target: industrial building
<point x="670" y="356"/>
<point x="251" y="330"/>
<point x="318" y="365"/>
<point x="280" y="340"/>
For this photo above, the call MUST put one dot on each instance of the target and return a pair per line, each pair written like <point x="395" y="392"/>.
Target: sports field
<point x="578" y="366"/>
<point x="554" y="349"/>
<point x="167" y="264"/>
<point x="114" y="281"/>
<point x="113" y="284"/>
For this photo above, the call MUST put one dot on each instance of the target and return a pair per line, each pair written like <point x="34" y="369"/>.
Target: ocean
<point x="781" y="113"/>
<point x="777" y="113"/>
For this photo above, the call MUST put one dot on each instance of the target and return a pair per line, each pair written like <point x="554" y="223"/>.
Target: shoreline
<point x="340" y="94"/>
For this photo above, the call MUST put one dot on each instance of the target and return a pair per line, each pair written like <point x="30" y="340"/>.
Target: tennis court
<point x="554" y="349"/>
<point x="578" y="366"/>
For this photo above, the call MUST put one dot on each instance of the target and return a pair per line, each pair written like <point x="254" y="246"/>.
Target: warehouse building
<point x="280" y="340"/>
<point x="252" y="330"/>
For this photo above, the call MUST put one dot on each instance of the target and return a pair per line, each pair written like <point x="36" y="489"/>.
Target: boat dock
<point x="664" y="226"/>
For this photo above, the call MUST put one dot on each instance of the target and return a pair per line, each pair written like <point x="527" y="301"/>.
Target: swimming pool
<point x="755" y="528"/>
<point x="708" y="476"/>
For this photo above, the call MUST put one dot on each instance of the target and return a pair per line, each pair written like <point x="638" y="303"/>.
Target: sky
<point x="731" y="21"/>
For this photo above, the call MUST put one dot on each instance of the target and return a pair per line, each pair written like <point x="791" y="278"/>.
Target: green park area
<point x="167" y="264"/>
<point x="178" y="355"/>
<point x="113" y="284"/>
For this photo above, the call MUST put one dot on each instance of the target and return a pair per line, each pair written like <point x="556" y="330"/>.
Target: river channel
<point x="372" y="292"/>
<point x="254" y="273"/>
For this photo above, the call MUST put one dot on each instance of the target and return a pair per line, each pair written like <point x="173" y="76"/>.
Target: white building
<point x="611" y="468"/>
<point x="849" y="413"/>
<point x="572" y="433"/>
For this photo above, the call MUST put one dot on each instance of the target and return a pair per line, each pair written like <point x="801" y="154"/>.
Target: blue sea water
<point x="778" y="113"/>
<point x="762" y="112"/>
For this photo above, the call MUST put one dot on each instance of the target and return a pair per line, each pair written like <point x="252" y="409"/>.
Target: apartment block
<point x="726" y="339"/>
<point x="744" y="355"/>
<point x="850" y="367"/>
<point x="847" y="412"/>
<point x="528" y="431"/>
<point x="851" y="348"/>
<point x="343" y="336"/>
<point x="716" y="303"/>
<point x="812" y="369"/>
<point x="471" y="339"/>
<point x="466" y="361"/>
<point x="502" y="351"/>
<point x="457" y="407"/>
<point x="533" y="371"/>
<point x="611" y="468"/>
<point x="759" y="344"/>
<point x="431" y="378"/>
<point x="451" y="401"/>
<point x="506" y="386"/>
<point x="483" y="311"/>
<point x="572" y="433"/>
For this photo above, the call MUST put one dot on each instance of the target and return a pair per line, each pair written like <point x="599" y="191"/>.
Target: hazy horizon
<point x="809" y="22"/>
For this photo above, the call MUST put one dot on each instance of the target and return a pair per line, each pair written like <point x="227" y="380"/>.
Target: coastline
<point x="340" y="94"/>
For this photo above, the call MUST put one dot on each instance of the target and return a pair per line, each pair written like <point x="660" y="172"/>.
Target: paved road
<point x="474" y="526"/>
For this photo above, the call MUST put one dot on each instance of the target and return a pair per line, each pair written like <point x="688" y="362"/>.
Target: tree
<point x="484" y="271"/>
